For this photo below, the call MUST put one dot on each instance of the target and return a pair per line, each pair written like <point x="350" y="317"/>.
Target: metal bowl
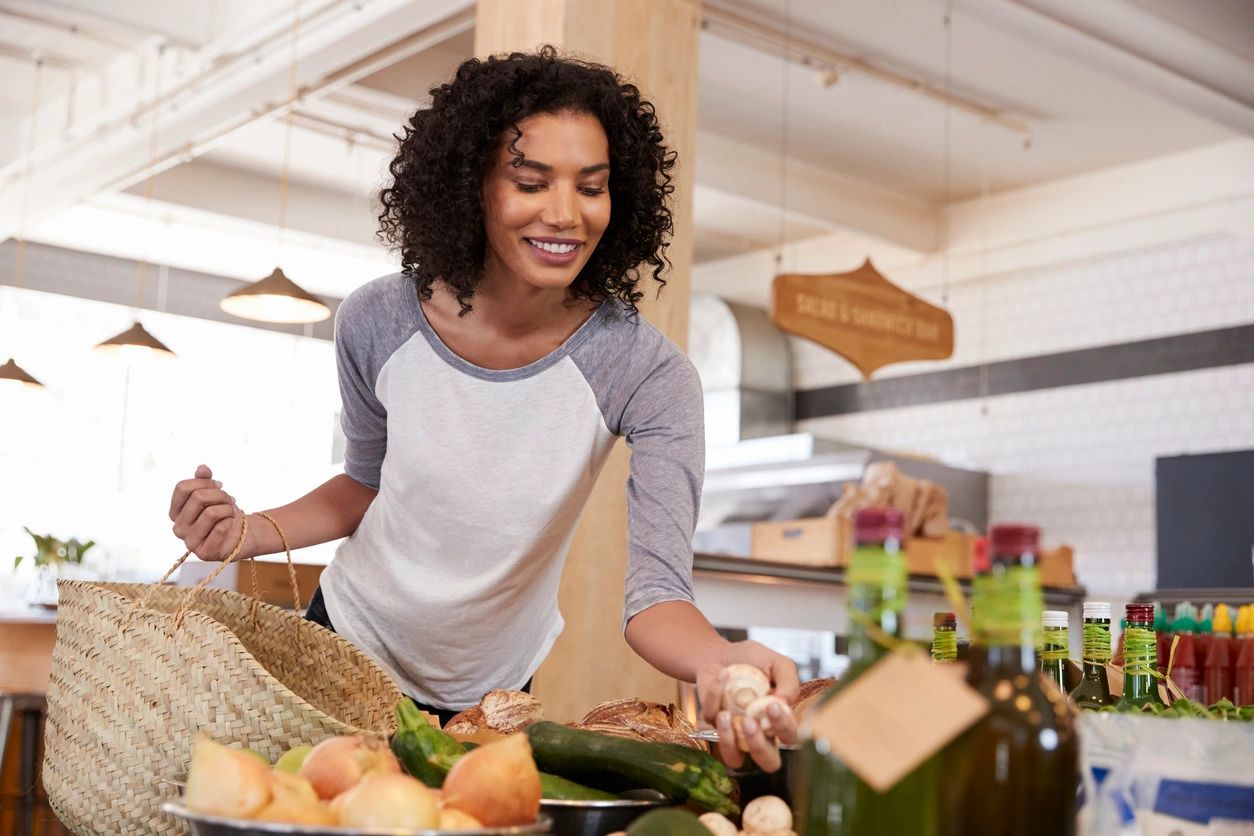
<point x="755" y="783"/>
<point x="596" y="818"/>
<point x="203" y="825"/>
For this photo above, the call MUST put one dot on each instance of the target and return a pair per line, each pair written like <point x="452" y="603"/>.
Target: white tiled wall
<point x="1079" y="460"/>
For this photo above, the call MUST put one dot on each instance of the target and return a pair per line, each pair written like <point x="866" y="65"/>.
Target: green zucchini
<point x="668" y="821"/>
<point x="601" y="760"/>
<point x="559" y="789"/>
<point x="427" y="753"/>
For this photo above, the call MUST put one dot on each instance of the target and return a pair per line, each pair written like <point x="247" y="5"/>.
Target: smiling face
<point x="544" y="218"/>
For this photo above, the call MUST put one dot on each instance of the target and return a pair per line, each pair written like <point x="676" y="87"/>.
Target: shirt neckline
<point x="521" y="372"/>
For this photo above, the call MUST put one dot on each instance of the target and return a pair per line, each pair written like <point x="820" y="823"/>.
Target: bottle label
<point x="1096" y="643"/>
<point x="1055" y="647"/>
<point x="1140" y="652"/>
<point x="896" y="715"/>
<point x="1007" y="605"/>
<point x="884" y="570"/>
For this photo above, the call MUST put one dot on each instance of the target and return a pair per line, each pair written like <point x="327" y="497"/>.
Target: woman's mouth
<point x="554" y="252"/>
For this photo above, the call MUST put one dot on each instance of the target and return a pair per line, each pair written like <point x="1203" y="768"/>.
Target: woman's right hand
<point x="206" y="517"/>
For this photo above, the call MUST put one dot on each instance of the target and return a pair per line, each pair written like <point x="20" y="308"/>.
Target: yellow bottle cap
<point x="1221" y="621"/>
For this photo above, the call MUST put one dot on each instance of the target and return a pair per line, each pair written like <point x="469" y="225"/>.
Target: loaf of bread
<point x="641" y="720"/>
<point x="500" y="711"/>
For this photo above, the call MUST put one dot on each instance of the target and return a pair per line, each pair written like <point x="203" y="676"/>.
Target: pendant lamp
<point x="136" y="341"/>
<point x="11" y="373"/>
<point x="276" y="298"/>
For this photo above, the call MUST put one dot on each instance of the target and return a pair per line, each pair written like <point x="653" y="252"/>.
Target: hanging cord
<point x="287" y="121"/>
<point x="946" y="165"/>
<point x="151" y="184"/>
<point x="27" y="170"/>
<point x="782" y="233"/>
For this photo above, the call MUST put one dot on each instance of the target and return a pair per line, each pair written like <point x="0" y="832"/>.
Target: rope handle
<point x="204" y="582"/>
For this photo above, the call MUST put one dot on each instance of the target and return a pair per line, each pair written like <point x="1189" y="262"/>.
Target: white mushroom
<point x="759" y="710"/>
<point x="768" y="814"/>
<point x="745" y="683"/>
<point x="718" y="824"/>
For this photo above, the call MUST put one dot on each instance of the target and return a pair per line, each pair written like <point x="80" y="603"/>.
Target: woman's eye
<point x="530" y="187"/>
<point x="592" y="192"/>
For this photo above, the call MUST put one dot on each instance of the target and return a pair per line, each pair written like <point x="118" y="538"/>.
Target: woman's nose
<point x="560" y="211"/>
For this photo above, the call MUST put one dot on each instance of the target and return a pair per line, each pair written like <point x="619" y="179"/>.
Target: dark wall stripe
<point x="103" y="278"/>
<point x="1164" y="355"/>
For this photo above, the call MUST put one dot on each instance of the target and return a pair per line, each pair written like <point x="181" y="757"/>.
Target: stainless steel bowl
<point x="203" y="825"/>
<point x="596" y="818"/>
<point x="755" y="783"/>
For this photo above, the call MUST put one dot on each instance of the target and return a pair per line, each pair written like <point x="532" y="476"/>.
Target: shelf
<point x="751" y="571"/>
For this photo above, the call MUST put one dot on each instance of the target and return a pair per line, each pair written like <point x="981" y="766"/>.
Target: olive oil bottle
<point x="1055" y="648"/>
<point x="1093" y="692"/>
<point x="1140" y="659"/>
<point x="944" y="637"/>
<point x="1014" y="772"/>
<point x="830" y="800"/>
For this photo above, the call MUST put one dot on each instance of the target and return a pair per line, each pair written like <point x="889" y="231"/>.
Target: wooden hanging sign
<point x="863" y="317"/>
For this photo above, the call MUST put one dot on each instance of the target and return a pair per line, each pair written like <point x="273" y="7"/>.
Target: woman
<point x="483" y="387"/>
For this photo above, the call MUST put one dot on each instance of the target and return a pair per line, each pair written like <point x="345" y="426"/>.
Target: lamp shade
<point x="276" y="298"/>
<point x="133" y="339"/>
<point x="11" y="372"/>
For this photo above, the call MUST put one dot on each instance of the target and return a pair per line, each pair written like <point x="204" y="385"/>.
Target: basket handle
<point x="230" y="558"/>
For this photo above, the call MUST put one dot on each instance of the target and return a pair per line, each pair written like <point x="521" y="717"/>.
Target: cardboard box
<point x="1057" y="568"/>
<point x="827" y="541"/>
<point x="923" y="553"/>
<point x="812" y="541"/>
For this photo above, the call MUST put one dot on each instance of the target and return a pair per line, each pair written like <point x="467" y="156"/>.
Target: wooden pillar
<point x="654" y="42"/>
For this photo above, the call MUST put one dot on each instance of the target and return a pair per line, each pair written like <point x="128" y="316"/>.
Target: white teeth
<point x="552" y="248"/>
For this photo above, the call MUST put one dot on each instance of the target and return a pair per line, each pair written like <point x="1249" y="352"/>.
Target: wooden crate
<point x="812" y="541"/>
<point x="1057" y="567"/>
<point x="827" y="541"/>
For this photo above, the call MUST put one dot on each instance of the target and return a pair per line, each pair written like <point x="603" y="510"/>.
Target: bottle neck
<point x="877" y="597"/>
<point x="944" y="644"/>
<point x="1140" y="661"/>
<point x="1055" y="647"/>
<point x="1096" y="641"/>
<point x="1007" y="603"/>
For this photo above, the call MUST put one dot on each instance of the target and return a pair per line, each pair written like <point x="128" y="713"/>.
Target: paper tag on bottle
<point x="896" y="715"/>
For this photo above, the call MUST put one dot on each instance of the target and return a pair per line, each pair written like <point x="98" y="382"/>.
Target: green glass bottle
<point x="944" y="637"/>
<point x="1014" y="772"/>
<point x="1140" y="659"/>
<point x="829" y="799"/>
<point x="1055" y="648"/>
<point x="1093" y="692"/>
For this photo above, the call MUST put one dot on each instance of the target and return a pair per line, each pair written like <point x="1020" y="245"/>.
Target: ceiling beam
<point x="1139" y="48"/>
<point x="337" y="47"/>
<point x="814" y="194"/>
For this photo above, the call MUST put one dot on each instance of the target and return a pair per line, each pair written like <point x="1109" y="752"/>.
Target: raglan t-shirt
<point x="450" y="581"/>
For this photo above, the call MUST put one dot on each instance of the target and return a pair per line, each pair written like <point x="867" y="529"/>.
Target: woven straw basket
<point x="124" y="705"/>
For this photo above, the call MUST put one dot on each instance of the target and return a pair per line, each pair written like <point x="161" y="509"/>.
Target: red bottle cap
<point x="1140" y="613"/>
<point x="1013" y="538"/>
<point x="877" y="525"/>
<point x="945" y="619"/>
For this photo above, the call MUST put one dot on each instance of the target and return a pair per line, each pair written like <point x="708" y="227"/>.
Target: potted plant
<point x="51" y="557"/>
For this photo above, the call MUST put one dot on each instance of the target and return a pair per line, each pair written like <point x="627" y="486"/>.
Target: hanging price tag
<point x="896" y="715"/>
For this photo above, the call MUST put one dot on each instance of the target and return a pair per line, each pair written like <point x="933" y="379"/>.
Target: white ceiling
<point x="864" y="155"/>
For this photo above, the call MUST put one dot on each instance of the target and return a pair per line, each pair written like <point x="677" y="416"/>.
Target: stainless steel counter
<point x="738" y="592"/>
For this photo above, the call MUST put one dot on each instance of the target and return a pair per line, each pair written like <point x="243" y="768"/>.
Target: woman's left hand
<point x="782" y="672"/>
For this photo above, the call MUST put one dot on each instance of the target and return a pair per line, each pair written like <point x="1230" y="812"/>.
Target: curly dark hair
<point x="433" y="210"/>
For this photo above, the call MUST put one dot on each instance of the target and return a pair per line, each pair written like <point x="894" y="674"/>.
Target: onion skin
<point x="385" y="799"/>
<point x="226" y="782"/>
<point x="338" y="764"/>
<point x="498" y="784"/>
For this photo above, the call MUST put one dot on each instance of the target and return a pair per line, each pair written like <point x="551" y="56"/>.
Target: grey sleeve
<point x="663" y="423"/>
<point x="362" y="417"/>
